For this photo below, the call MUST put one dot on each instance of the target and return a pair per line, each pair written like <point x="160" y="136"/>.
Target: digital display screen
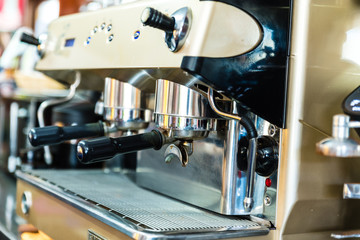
<point x="69" y="42"/>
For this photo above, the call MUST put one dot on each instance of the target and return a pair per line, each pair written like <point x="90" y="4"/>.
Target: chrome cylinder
<point x="125" y="105"/>
<point x="177" y="100"/>
<point x="250" y="175"/>
<point x="230" y="167"/>
<point x="340" y="128"/>
<point x="183" y="112"/>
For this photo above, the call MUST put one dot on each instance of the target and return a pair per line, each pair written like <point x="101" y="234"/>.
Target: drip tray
<point x="117" y="201"/>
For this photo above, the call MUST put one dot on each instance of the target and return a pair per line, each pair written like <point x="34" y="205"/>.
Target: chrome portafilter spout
<point x="340" y="145"/>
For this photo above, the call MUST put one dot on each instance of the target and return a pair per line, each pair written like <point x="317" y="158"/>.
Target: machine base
<point x="112" y="205"/>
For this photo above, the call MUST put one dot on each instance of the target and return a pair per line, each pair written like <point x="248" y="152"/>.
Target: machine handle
<point x="101" y="149"/>
<point x="156" y="19"/>
<point x="26" y="38"/>
<point x="54" y="134"/>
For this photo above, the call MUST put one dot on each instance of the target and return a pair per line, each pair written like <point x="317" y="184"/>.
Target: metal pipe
<point x="217" y="111"/>
<point x="52" y="102"/>
<point x="14" y="122"/>
<point x="230" y="166"/>
<point x="250" y="175"/>
<point x="251" y="158"/>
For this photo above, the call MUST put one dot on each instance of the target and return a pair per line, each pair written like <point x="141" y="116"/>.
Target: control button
<point x="109" y="27"/>
<point x="94" y="30"/>
<point x="267" y="200"/>
<point x="26" y="202"/>
<point x="110" y="38"/>
<point x="102" y="26"/>
<point x="136" y="34"/>
<point x="268" y="182"/>
<point x="87" y="41"/>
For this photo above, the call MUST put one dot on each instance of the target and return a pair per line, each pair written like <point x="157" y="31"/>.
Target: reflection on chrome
<point x="351" y="47"/>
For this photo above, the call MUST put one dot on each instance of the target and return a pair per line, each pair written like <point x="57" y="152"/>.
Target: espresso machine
<point x="216" y="98"/>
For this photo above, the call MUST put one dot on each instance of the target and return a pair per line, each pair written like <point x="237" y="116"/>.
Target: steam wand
<point x="231" y="150"/>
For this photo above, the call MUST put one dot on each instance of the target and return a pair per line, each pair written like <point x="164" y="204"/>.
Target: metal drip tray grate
<point x="151" y="212"/>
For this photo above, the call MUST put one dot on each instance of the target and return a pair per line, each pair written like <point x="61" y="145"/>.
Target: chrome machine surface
<point x="125" y="106"/>
<point x="323" y="72"/>
<point x="214" y="145"/>
<point x="243" y="92"/>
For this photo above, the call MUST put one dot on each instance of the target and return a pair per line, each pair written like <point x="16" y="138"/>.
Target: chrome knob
<point x="26" y="202"/>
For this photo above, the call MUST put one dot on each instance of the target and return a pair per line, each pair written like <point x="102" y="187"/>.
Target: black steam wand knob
<point x="54" y="134"/>
<point x="29" y="39"/>
<point x="156" y="19"/>
<point x="102" y="149"/>
<point x="267" y="155"/>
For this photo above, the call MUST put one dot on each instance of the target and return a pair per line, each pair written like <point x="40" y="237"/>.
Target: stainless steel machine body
<point x="205" y="179"/>
<point x="288" y="91"/>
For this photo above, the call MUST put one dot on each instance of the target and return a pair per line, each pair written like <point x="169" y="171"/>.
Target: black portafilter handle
<point x="104" y="148"/>
<point x="26" y="38"/>
<point x="154" y="18"/>
<point x="53" y="134"/>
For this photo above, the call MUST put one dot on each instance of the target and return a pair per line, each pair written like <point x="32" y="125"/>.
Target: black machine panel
<point x="351" y="106"/>
<point x="258" y="79"/>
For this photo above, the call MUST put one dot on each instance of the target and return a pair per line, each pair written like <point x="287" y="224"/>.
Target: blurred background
<point x="23" y="89"/>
